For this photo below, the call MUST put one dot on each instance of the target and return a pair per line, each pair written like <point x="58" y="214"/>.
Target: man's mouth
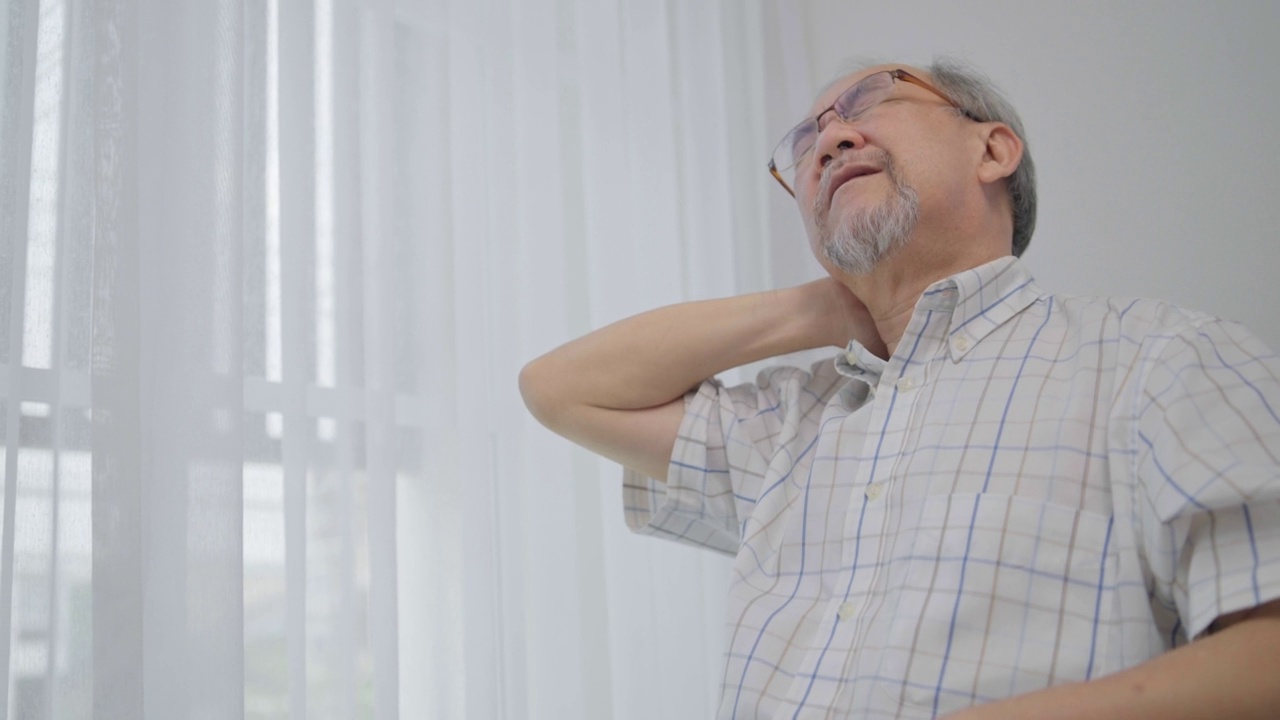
<point x="844" y="174"/>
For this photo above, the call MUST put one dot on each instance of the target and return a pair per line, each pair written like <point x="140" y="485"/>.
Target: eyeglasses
<point x="852" y="103"/>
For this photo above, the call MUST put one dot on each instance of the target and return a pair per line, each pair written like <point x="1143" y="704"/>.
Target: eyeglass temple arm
<point x="773" y="170"/>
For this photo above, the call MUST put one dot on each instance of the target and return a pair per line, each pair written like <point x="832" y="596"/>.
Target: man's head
<point x="894" y="154"/>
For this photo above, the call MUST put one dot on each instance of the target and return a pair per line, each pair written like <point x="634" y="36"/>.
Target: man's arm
<point x="1232" y="673"/>
<point x="619" y="390"/>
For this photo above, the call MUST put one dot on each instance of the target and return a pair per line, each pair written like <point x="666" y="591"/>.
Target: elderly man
<point x="995" y="502"/>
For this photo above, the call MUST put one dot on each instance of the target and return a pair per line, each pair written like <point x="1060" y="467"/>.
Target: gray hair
<point x="980" y="99"/>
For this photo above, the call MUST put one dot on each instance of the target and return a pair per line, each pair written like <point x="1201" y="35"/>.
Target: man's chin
<point x="827" y="223"/>
<point x="849" y="257"/>
<point x="858" y="254"/>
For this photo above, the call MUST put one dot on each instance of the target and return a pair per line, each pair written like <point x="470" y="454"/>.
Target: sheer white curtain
<point x="270" y="269"/>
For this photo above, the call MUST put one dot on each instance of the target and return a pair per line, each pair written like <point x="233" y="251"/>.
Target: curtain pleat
<point x="294" y="28"/>
<point x="190" y="174"/>
<point x="16" y="123"/>
<point x="115" y="589"/>
<point x="383" y="237"/>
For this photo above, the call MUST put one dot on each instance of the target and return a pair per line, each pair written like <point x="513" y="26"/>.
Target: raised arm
<point x="619" y="390"/>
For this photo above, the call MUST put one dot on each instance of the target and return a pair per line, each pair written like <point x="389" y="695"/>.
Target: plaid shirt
<point x="1033" y="490"/>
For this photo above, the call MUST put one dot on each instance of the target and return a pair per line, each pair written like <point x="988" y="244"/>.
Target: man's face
<point x="856" y="237"/>
<point x="857" y="189"/>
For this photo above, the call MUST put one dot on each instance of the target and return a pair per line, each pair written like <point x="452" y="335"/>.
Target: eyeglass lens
<point x="855" y="101"/>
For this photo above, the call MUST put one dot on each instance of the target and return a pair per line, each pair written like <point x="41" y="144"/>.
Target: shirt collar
<point x="859" y="363"/>
<point x="979" y="300"/>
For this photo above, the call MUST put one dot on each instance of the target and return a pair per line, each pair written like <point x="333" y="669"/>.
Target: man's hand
<point x="1231" y="673"/>
<point x="619" y="390"/>
<point x="848" y="316"/>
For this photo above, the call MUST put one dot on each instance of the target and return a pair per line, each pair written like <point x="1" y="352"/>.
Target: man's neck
<point x="892" y="290"/>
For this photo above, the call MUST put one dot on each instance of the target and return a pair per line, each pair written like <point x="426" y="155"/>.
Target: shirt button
<point x="874" y="491"/>
<point x="846" y="610"/>
<point x="962" y="343"/>
<point x="851" y="358"/>
<point x="905" y="383"/>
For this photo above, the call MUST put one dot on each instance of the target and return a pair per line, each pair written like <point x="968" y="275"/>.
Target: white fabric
<point x="1034" y="489"/>
<point x="270" y="269"/>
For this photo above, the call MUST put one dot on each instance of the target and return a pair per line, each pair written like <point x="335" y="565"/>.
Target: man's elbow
<point x="537" y="389"/>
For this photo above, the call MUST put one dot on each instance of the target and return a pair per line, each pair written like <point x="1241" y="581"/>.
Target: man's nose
<point x="835" y="137"/>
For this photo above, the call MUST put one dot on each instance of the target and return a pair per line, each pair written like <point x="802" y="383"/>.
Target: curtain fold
<point x="270" y="270"/>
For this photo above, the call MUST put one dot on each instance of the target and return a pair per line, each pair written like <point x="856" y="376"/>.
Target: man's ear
<point x="1003" y="152"/>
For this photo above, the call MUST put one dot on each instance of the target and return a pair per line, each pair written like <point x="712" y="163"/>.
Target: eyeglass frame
<point x="896" y="74"/>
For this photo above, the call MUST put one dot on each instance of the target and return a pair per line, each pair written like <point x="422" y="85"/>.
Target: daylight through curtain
<point x="270" y="269"/>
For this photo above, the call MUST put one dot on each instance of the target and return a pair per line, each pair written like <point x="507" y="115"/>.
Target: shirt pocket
<point x="993" y="596"/>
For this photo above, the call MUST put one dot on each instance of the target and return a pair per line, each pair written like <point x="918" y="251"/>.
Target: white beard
<point x="864" y="237"/>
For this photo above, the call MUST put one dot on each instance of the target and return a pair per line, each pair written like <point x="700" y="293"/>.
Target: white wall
<point x="1153" y="127"/>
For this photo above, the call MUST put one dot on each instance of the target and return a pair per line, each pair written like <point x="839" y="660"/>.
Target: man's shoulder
<point x="1128" y="316"/>
<point x="1146" y="332"/>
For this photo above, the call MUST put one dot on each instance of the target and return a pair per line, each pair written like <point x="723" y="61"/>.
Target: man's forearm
<point x="1232" y="674"/>
<point x="655" y="357"/>
<point x="617" y="391"/>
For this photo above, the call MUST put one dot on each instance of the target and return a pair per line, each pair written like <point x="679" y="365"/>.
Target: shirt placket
<point x="865" y="546"/>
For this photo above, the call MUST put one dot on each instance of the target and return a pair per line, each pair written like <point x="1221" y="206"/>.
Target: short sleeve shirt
<point x="1033" y="490"/>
